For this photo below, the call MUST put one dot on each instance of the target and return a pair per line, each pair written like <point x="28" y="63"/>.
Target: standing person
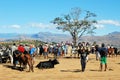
<point x="74" y="51"/>
<point x="79" y="48"/>
<point x="83" y="57"/>
<point x="103" y="54"/>
<point x="27" y="48"/>
<point x="55" y="51"/>
<point x="59" y="50"/>
<point x="33" y="53"/>
<point x="45" y="54"/>
<point x="13" y="48"/>
<point x="63" y="50"/>
<point x="37" y="50"/>
<point x="41" y="50"/>
<point x="115" y="51"/>
<point x="8" y="53"/>
<point x="69" y="50"/>
<point x="97" y="52"/>
<point x="93" y="49"/>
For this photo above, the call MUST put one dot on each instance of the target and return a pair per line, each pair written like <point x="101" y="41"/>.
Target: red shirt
<point x="21" y="49"/>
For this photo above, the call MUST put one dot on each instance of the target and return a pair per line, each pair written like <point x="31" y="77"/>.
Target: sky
<point x="34" y="16"/>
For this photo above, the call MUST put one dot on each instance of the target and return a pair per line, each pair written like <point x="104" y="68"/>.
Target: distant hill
<point x="51" y="37"/>
<point x="43" y="36"/>
<point x="111" y="38"/>
<point x="7" y="35"/>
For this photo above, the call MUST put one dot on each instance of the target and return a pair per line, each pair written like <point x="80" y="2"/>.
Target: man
<point x="13" y="48"/>
<point x="84" y="53"/>
<point x="41" y="50"/>
<point x="103" y="54"/>
<point x="33" y="53"/>
<point x="17" y="53"/>
<point x="21" y="48"/>
<point x="97" y="52"/>
<point x="45" y="54"/>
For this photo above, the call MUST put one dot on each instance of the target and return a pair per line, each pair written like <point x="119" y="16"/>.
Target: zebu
<point x="47" y="64"/>
<point x="24" y="59"/>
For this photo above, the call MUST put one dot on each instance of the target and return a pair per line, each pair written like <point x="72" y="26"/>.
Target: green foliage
<point x="74" y="24"/>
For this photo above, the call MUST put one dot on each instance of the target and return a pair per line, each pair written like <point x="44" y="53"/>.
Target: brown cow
<point x="111" y="51"/>
<point x="24" y="58"/>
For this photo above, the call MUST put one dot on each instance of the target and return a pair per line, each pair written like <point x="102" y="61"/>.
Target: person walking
<point x="83" y="58"/>
<point x="103" y="54"/>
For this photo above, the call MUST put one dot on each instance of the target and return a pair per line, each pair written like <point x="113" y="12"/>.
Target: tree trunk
<point x="75" y="39"/>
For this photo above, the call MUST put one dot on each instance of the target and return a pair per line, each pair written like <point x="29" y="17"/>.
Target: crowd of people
<point x="82" y="50"/>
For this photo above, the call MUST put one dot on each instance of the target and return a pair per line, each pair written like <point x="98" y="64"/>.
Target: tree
<point x="75" y="25"/>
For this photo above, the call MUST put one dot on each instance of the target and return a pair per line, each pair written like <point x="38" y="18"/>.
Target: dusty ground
<point x="68" y="69"/>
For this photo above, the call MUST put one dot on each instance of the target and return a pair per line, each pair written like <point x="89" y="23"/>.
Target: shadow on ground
<point x="14" y="68"/>
<point x="71" y="70"/>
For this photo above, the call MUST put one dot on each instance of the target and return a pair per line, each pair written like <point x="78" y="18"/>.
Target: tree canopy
<point x="77" y="23"/>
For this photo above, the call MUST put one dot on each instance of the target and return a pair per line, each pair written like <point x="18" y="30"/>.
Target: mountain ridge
<point x="111" y="38"/>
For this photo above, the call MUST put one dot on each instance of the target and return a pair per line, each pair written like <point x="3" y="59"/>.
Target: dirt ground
<point x="68" y="69"/>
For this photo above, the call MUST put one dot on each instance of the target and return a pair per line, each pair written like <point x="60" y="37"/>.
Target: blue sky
<point x="33" y="16"/>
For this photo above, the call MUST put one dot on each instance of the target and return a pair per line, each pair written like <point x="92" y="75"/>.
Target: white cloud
<point x="103" y="23"/>
<point x="41" y="25"/>
<point x="99" y="26"/>
<point x="110" y="22"/>
<point x="15" y="26"/>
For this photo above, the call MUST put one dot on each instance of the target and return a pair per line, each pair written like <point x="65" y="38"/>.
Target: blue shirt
<point x="32" y="50"/>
